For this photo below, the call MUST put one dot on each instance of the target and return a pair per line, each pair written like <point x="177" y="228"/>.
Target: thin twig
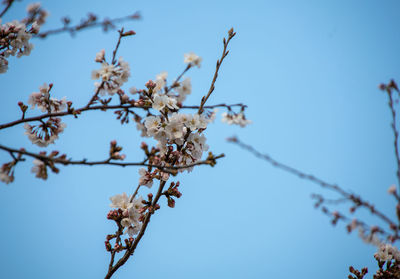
<point x="9" y="3"/>
<point x="120" y="32"/>
<point x="395" y="132"/>
<point x="231" y="34"/>
<point x="86" y="25"/>
<point x="355" y="199"/>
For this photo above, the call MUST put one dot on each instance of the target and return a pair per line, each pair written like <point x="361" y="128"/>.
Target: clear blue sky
<point x="308" y="70"/>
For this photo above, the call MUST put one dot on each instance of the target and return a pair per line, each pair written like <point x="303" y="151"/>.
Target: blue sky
<point x="308" y="71"/>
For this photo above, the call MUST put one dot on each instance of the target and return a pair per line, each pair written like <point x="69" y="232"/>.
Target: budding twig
<point x="91" y="22"/>
<point x="85" y="162"/>
<point x="231" y="34"/>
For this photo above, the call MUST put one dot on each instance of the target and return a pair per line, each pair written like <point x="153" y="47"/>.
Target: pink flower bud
<point x="150" y="84"/>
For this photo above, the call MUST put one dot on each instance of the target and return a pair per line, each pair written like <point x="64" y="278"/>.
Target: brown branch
<point x="120" y="32"/>
<point x="129" y="252"/>
<point x="98" y="107"/>
<point x="106" y="23"/>
<point x="71" y="112"/>
<point x="8" y="5"/>
<point x="176" y="82"/>
<point x="84" y="162"/>
<point x="216" y="106"/>
<point x="231" y="34"/>
<point x="395" y="132"/>
<point x="355" y="199"/>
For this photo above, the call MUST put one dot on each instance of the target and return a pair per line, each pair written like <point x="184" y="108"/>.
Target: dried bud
<point x="128" y="33"/>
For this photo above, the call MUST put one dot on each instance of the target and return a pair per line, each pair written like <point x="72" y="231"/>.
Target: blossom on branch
<point x="46" y="132"/>
<point x="235" y="119"/>
<point x="43" y="101"/>
<point x="192" y="59"/>
<point x="112" y="76"/>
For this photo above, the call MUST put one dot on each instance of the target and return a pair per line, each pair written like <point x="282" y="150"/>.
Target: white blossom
<point x="387" y="252"/>
<point x="146" y="178"/>
<point x="174" y="130"/>
<point x="131" y="209"/>
<point x="120" y="202"/>
<point x="100" y="56"/>
<point x="171" y="103"/>
<point x="160" y="101"/>
<point x="39" y="169"/>
<point x="184" y="89"/>
<point x="152" y="124"/>
<point x="43" y="101"/>
<point x="45" y="133"/>
<point x="236" y="119"/>
<point x="192" y="59"/>
<point x="6" y="173"/>
<point x="112" y="76"/>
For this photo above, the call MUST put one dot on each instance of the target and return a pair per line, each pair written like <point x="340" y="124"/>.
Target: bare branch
<point x="8" y="5"/>
<point x="357" y="200"/>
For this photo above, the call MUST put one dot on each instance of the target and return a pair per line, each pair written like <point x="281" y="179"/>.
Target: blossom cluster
<point x="7" y="172"/>
<point x="235" y="119"/>
<point x="15" y="36"/>
<point x="46" y="103"/>
<point x="387" y="252"/>
<point x="112" y="76"/>
<point x="132" y="209"/>
<point x="47" y="132"/>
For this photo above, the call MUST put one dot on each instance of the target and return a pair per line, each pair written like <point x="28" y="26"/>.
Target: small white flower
<point x="145" y="178"/>
<point x="45" y="133"/>
<point x="100" y="56"/>
<point x="39" y="169"/>
<point x="112" y="76"/>
<point x="387" y="252"/>
<point x="184" y="89"/>
<point x="162" y="76"/>
<point x="237" y="119"/>
<point x="171" y="103"/>
<point x="7" y="173"/>
<point x="152" y="124"/>
<point x="159" y="101"/>
<point x="174" y="130"/>
<point x="121" y="202"/>
<point x="192" y="59"/>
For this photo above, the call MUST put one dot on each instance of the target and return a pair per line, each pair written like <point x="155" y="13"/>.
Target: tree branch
<point x="231" y="34"/>
<point x="91" y="22"/>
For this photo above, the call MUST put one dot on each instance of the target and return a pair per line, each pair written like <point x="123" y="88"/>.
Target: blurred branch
<point x="389" y="90"/>
<point x="90" y="22"/>
<point x="8" y="4"/>
<point x="356" y="200"/>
